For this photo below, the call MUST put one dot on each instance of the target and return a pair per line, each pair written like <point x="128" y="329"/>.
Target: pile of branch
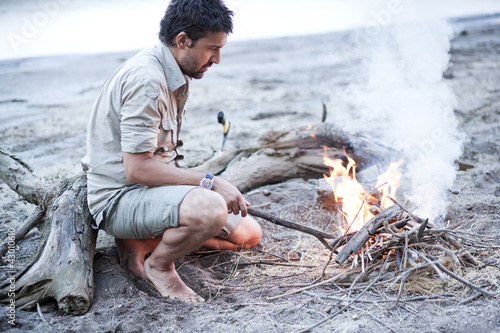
<point x="415" y="242"/>
<point x="396" y="229"/>
<point x="394" y="245"/>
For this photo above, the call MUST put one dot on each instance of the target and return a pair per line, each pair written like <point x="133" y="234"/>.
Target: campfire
<point x="381" y="239"/>
<point x="380" y="234"/>
<point x="383" y="243"/>
<point x="356" y="205"/>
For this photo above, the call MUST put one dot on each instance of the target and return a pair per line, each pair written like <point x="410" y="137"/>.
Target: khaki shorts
<point x="146" y="212"/>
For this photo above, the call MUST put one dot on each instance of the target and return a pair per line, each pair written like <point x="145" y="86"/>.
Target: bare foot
<point x="169" y="284"/>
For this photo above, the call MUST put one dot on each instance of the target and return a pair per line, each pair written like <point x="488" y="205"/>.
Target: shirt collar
<point x="175" y="78"/>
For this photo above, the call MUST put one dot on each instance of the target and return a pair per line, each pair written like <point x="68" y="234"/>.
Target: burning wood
<point x="376" y="226"/>
<point x="393" y="246"/>
<point x="397" y="229"/>
<point x="363" y="235"/>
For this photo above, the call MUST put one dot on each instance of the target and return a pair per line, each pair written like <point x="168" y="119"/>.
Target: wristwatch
<point x="207" y="182"/>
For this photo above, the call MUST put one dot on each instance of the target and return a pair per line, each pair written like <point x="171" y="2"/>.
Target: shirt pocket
<point x="168" y="135"/>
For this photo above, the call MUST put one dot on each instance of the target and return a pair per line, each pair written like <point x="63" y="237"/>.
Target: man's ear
<point x="182" y="40"/>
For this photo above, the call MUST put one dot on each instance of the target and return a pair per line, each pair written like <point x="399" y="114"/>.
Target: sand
<point x="261" y="85"/>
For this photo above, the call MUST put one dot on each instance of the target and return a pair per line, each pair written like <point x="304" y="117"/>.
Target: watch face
<point x="206" y="183"/>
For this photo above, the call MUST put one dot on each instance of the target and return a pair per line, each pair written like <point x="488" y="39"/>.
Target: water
<point x="46" y="27"/>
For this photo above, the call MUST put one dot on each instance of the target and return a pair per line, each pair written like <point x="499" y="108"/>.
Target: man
<point x="135" y="191"/>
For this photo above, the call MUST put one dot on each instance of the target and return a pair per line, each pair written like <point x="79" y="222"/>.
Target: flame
<point x="354" y="200"/>
<point x="310" y="127"/>
<point x="388" y="184"/>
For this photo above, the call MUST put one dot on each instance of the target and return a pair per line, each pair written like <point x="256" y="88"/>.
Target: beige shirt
<point x="138" y="109"/>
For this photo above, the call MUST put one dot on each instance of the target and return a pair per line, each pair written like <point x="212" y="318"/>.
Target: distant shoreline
<point x="468" y="21"/>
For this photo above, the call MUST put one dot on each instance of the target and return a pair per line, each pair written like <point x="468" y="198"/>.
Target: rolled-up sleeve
<point x="140" y="119"/>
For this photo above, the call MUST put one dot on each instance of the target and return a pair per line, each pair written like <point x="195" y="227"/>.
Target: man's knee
<point x="203" y="210"/>
<point x="248" y="233"/>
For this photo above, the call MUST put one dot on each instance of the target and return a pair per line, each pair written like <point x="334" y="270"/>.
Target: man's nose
<point x="215" y="58"/>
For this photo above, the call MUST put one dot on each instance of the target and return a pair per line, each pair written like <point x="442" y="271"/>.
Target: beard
<point x="192" y="68"/>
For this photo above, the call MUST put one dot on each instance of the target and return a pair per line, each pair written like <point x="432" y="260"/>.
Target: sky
<point x="31" y="28"/>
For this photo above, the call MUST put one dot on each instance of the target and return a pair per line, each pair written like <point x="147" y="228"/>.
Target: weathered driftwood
<point x="362" y="236"/>
<point x="292" y="154"/>
<point x="62" y="268"/>
<point x="19" y="177"/>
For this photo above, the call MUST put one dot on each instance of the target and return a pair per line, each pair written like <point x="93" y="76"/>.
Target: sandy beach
<point x="261" y="85"/>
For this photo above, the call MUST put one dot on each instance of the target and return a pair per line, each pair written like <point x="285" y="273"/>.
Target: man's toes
<point x="196" y="299"/>
<point x="189" y="298"/>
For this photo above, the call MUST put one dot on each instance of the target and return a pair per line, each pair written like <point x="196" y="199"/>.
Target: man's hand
<point x="234" y="199"/>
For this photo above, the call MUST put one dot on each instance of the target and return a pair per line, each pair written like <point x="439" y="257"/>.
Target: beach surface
<point x="261" y="85"/>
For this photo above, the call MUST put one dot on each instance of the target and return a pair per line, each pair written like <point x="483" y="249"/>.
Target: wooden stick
<point x="456" y="277"/>
<point x="433" y="265"/>
<point x="458" y="246"/>
<point x="292" y="225"/>
<point x="362" y="236"/>
<point x="378" y="301"/>
<point x="422" y="229"/>
<point x="40" y="313"/>
<point x="416" y="218"/>
<point x="21" y="179"/>
<point x="342" y="240"/>
<point x="350" y="302"/>
<point x="303" y="288"/>
<point x="33" y="219"/>
<point x="273" y="263"/>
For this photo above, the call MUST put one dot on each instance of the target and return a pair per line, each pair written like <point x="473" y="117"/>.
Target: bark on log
<point x="292" y="154"/>
<point x="362" y="236"/>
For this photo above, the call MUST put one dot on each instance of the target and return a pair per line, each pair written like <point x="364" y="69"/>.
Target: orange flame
<point x="353" y="198"/>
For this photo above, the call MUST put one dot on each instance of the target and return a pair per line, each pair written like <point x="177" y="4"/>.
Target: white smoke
<point x="405" y="103"/>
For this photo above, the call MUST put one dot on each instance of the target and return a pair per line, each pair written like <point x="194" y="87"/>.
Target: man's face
<point x="195" y="60"/>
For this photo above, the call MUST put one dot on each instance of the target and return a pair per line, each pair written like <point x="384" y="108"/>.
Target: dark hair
<point x="196" y="18"/>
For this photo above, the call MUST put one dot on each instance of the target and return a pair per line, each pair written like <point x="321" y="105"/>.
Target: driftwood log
<point x="292" y="154"/>
<point x="62" y="268"/>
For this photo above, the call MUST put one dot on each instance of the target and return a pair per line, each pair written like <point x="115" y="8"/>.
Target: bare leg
<point x="133" y="252"/>
<point x="202" y="215"/>
<point x="246" y="235"/>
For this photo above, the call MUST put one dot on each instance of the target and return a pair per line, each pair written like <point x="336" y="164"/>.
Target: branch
<point x="458" y="278"/>
<point x="21" y="179"/>
<point x="362" y="236"/>
<point x="292" y="225"/>
<point x="35" y="217"/>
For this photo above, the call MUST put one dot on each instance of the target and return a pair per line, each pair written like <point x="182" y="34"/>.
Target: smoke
<point x="404" y="102"/>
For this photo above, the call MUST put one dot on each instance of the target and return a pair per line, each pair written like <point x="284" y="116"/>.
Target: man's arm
<point x="141" y="168"/>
